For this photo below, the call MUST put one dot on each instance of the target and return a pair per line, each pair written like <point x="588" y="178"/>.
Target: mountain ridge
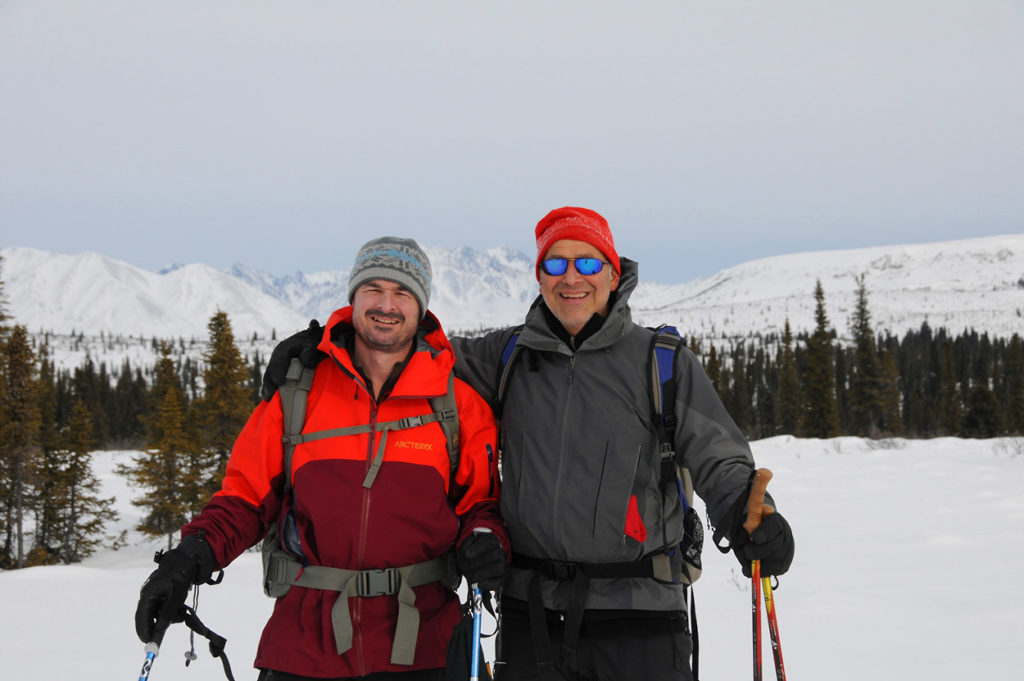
<point x="966" y="284"/>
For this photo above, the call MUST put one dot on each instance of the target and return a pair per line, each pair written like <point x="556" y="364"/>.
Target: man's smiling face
<point x="572" y="297"/>
<point x="385" y="316"/>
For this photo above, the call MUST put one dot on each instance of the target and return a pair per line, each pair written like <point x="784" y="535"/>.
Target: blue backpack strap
<point x="509" y="355"/>
<point x="665" y="345"/>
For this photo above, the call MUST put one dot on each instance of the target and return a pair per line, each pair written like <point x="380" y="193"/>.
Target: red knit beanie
<point x="578" y="224"/>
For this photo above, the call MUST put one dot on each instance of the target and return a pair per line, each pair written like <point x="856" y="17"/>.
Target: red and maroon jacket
<point x="412" y="513"/>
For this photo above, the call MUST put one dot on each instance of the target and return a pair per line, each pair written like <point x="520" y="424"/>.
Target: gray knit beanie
<point x="394" y="259"/>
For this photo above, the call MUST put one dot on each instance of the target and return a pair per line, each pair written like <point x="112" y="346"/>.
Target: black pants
<point x="418" y="675"/>
<point x="614" y="649"/>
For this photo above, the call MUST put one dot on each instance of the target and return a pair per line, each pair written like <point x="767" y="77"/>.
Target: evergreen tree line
<point x="927" y="383"/>
<point x="52" y="421"/>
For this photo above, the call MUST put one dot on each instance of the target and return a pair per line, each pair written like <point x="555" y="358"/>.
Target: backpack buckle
<point x="557" y="570"/>
<point x="667" y="451"/>
<point x="383" y="582"/>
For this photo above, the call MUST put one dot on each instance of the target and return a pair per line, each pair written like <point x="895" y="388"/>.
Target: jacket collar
<point x="426" y="370"/>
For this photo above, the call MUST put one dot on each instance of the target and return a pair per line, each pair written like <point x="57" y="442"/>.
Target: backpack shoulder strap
<point x="294" y="394"/>
<point x="447" y="411"/>
<point x="509" y="355"/>
<point x="664" y="347"/>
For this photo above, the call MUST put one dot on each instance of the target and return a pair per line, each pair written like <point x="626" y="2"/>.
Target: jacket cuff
<point x="195" y="547"/>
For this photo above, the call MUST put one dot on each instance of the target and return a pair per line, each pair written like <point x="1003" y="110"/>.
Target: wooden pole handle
<point x="756" y="508"/>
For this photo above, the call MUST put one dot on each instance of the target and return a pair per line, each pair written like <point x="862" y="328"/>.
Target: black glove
<point x="481" y="560"/>
<point x="163" y="593"/>
<point x="771" y="543"/>
<point x="302" y="345"/>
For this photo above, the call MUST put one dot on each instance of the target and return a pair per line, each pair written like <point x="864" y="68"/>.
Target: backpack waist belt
<point x="369" y="583"/>
<point x="656" y="566"/>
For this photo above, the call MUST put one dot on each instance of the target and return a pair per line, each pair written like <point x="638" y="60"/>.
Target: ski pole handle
<point x="152" y="650"/>
<point x="756" y="508"/>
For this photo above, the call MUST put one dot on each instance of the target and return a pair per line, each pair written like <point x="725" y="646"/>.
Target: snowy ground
<point x="905" y="566"/>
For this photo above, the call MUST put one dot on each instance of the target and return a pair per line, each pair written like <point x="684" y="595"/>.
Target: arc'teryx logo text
<point x="409" y="444"/>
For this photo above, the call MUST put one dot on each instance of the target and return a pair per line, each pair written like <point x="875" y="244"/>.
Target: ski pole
<point x="755" y="607"/>
<point x="478" y="606"/>
<point x="773" y="629"/>
<point x="152" y="650"/>
<point x="756" y="509"/>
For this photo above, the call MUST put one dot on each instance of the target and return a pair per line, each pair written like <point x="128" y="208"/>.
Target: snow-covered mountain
<point x="470" y="289"/>
<point x="972" y="283"/>
<point x="968" y="284"/>
<point x="91" y="294"/>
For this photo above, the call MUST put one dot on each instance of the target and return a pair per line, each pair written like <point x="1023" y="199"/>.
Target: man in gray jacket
<point x="596" y="587"/>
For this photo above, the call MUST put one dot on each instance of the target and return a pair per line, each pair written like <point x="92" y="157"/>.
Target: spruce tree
<point x="19" y="441"/>
<point x="47" y="478"/>
<point x="820" y="417"/>
<point x="950" y="413"/>
<point x="981" y="419"/>
<point x="225" y="405"/>
<point x="866" y="374"/>
<point x="1015" y="386"/>
<point x="167" y="471"/>
<point x="87" y="513"/>
<point x="3" y="304"/>
<point x="714" y="370"/>
<point x="892" y="420"/>
<point x="735" y="388"/>
<point x="788" y="402"/>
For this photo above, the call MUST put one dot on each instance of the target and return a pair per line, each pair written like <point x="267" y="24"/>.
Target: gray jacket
<point x="578" y="444"/>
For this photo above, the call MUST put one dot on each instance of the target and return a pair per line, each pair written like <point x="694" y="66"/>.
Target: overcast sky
<point x="282" y="135"/>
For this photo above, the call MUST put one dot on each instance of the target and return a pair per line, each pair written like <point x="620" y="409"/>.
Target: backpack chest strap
<point x="369" y="583"/>
<point x="291" y="440"/>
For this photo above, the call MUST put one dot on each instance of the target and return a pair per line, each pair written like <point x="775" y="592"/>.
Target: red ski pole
<point x="755" y="602"/>
<point x="773" y="629"/>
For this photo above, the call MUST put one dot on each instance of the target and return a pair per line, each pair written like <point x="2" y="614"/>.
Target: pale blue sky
<point x="282" y="135"/>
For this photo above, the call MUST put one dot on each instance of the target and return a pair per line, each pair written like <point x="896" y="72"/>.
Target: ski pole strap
<point x="217" y="642"/>
<point x="368" y="583"/>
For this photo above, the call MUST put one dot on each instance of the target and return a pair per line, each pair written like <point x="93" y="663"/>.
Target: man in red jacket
<point x="373" y="521"/>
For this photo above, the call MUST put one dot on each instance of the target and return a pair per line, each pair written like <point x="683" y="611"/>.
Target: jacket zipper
<point x="364" y="530"/>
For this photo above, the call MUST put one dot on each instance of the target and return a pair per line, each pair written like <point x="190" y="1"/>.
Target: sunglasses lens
<point x="587" y="266"/>
<point x="555" y="266"/>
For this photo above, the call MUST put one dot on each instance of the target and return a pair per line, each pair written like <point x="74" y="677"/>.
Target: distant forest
<point x="925" y="383"/>
<point x="183" y="415"/>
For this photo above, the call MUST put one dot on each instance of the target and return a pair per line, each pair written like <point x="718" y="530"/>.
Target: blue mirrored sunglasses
<point x="586" y="266"/>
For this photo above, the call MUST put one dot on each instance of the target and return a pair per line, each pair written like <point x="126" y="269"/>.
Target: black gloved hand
<point x="302" y="345"/>
<point x="163" y="593"/>
<point x="481" y="560"/>
<point x="771" y="543"/>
